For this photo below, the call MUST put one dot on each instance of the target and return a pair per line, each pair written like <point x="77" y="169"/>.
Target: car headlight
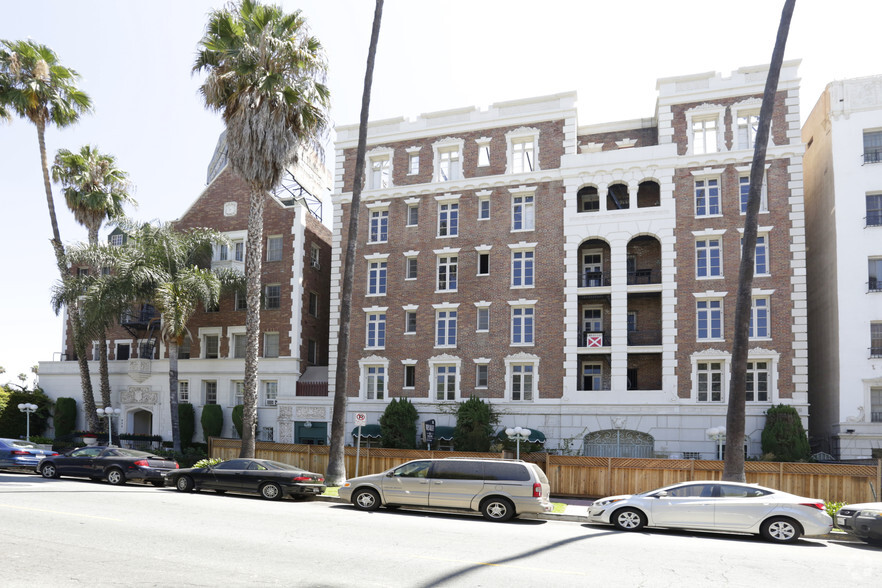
<point x="870" y="513"/>
<point x="346" y="484"/>
<point x="607" y="502"/>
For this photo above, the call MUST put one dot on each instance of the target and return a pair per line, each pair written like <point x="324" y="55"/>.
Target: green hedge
<point x="14" y="423"/>
<point x="186" y="423"/>
<point x="65" y="416"/>
<point x="784" y="436"/>
<point x="238" y="412"/>
<point x="212" y="421"/>
<point x="398" y="425"/>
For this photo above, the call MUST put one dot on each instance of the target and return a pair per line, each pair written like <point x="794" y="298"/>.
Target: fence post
<point x="877" y="492"/>
<point x="609" y="483"/>
<point x="780" y="475"/>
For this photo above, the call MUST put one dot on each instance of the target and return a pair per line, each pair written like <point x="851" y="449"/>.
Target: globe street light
<point x="718" y="434"/>
<point x="518" y="434"/>
<point x="108" y="412"/>
<point x="28" y="408"/>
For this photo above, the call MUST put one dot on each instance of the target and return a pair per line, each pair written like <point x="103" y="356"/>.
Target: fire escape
<point x="142" y="324"/>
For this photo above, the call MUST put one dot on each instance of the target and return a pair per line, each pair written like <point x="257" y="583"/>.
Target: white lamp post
<point x="108" y="413"/>
<point x="718" y="434"/>
<point x="518" y="434"/>
<point x="28" y="408"/>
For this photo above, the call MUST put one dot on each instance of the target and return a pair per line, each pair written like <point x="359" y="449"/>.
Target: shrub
<point x="238" y="412"/>
<point x="474" y="425"/>
<point x="14" y="423"/>
<point x="212" y="421"/>
<point x="186" y="423"/>
<point x="398" y="425"/>
<point x="208" y="461"/>
<point x="833" y="507"/>
<point x="65" y="416"/>
<point x="784" y="434"/>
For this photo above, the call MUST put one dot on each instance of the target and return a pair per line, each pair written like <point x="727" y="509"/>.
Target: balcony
<point x="644" y="276"/>
<point x="590" y="279"/>
<point x="874" y="218"/>
<point x="312" y="389"/>
<point x="594" y="339"/>
<point x="645" y="337"/>
<point x="873" y="156"/>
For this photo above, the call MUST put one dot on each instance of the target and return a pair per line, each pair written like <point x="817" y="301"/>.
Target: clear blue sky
<point x="135" y="58"/>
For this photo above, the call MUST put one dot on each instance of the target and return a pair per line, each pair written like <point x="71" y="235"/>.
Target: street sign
<point x="360" y="419"/>
<point x="429" y="430"/>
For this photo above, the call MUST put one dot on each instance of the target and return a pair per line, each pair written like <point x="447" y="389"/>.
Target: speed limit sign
<point x="360" y="419"/>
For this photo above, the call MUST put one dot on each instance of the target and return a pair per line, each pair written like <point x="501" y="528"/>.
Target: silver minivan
<point x="497" y="488"/>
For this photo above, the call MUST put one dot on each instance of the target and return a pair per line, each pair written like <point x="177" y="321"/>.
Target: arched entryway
<point x="142" y="422"/>
<point x="618" y="443"/>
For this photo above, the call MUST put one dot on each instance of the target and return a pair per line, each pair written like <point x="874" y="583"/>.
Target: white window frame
<point x="204" y="333"/>
<point x="267" y="337"/>
<point x="523" y="203"/>
<point x="409" y="364"/>
<point x="446" y="259"/>
<point x="523" y="263"/>
<point x="377" y="274"/>
<point x="482" y="308"/>
<point x="482" y="364"/>
<point x="378" y="222"/>
<point x="447" y="221"/>
<point x="447" y="362"/>
<point x="315" y="256"/>
<point x="709" y="372"/>
<point x="483" y="151"/>
<point x="375" y="328"/>
<point x="266" y="297"/>
<point x="237" y="392"/>
<point x="514" y="365"/>
<point x="519" y="137"/>
<point x="704" y="303"/>
<point x="707" y="237"/>
<point x="205" y="387"/>
<point x="274" y="246"/>
<point x="443" y="151"/>
<point x="522" y="327"/>
<point x="446" y="315"/>
<point x="368" y="381"/>
<point x="411" y="259"/>
<point x="705" y="179"/>
<point x="751" y="378"/>
<point x="413" y="209"/>
<point x="702" y="114"/>
<point x="413" y="160"/>
<point x="744" y="186"/>
<point x="755" y="310"/>
<point x="761" y="233"/>
<point x="379" y="168"/>
<point x="270" y="392"/>
<point x="184" y="391"/>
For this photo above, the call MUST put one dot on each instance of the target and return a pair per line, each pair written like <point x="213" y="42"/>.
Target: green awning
<point x="371" y="431"/>
<point x="444" y="433"/>
<point x="535" y="436"/>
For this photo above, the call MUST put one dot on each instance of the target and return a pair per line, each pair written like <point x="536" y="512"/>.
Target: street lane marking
<point x="72" y="514"/>
<point x="501" y="565"/>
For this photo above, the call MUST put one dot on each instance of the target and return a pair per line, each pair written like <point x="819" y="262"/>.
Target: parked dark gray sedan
<point x="862" y="520"/>
<point x="19" y="455"/>
<point x="270" y="479"/>
<point x="117" y="464"/>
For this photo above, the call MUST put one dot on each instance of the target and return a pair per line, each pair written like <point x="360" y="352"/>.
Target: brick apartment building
<point x="582" y="279"/>
<point x="294" y="320"/>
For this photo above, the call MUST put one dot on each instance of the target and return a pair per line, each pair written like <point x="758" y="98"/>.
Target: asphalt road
<point x="80" y="533"/>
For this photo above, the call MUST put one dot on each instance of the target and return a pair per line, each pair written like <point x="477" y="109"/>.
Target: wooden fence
<point x="593" y="477"/>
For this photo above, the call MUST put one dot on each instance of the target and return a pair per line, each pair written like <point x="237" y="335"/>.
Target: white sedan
<point x="717" y="506"/>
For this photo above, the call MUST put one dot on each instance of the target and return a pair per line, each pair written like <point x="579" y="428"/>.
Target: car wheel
<point x="48" y="470"/>
<point x="497" y="509"/>
<point x="271" y="491"/>
<point x="184" y="484"/>
<point x="158" y="483"/>
<point x="366" y="499"/>
<point x="781" y="530"/>
<point x="629" y="519"/>
<point x="116" y="477"/>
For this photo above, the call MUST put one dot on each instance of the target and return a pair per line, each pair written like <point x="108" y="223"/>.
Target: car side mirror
<point x="661" y="494"/>
<point x="390" y="474"/>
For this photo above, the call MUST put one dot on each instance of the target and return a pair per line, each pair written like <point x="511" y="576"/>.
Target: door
<point x="79" y="463"/>
<point x="408" y="484"/>
<point x="455" y="483"/>
<point x="142" y="423"/>
<point x="741" y="507"/>
<point x="310" y="433"/>
<point x="592" y="376"/>
<point x="592" y="327"/>
<point x="690" y="506"/>
<point x="592" y="268"/>
<point x="229" y="475"/>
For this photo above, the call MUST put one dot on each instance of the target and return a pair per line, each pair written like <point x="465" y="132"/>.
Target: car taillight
<point x="176" y="465"/>
<point x="142" y="462"/>
<point x="817" y="505"/>
<point x="53" y="454"/>
<point x="537" y="490"/>
<point x="21" y="453"/>
<point x="302" y="479"/>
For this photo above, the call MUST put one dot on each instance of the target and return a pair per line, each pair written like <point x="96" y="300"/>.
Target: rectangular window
<point x="447" y="269"/>
<point x="710" y="381"/>
<point x="238" y="393"/>
<point x="312" y="352"/>
<point x="592" y="376"/>
<point x="411" y="268"/>
<point x="708" y="258"/>
<point x="761" y="259"/>
<point x="379" y="173"/>
<point x="413" y="163"/>
<point x="273" y="297"/>
<point x="522" y="325"/>
<point x="375" y="382"/>
<point x="483" y="209"/>
<point x="413" y="215"/>
<point x="522" y="269"/>
<point x="379" y="227"/>
<point x="211" y="346"/>
<point x="744" y="194"/>
<point x="872" y="146"/>
<point x="270" y="393"/>
<point x="116" y="240"/>
<point x="313" y="304"/>
<point x="223" y="253"/>
<point x="522" y="156"/>
<point x="445" y="382"/>
<point x="710" y="319"/>
<point x="239" y="251"/>
<point x="410" y="319"/>
<point x="210" y="392"/>
<point x="315" y="256"/>
<point x="483" y="155"/>
<point x="481" y="375"/>
<point x="757" y="381"/>
<point x="376" y="330"/>
<point x="445" y="328"/>
<point x="632" y="322"/>
<point x="707" y="197"/>
<point x="876" y="405"/>
<point x="747" y="128"/>
<point x="448" y="219"/>
<point x="483" y="264"/>
<point x="270" y="344"/>
<point x="704" y="136"/>
<point x="409" y="376"/>
<point x="183" y="391"/>
<point x="274" y="248"/>
<point x="875" y="339"/>
<point x="522" y="381"/>
<point x="184" y="349"/>
<point x="450" y="168"/>
<point x="874" y="275"/>
<point x="239" y="342"/>
<point x="377" y="278"/>
<point x="483" y="319"/>
<point x="240" y="302"/>
<point x="874" y="210"/>
<point x="523" y="216"/>
<point x="759" y="318"/>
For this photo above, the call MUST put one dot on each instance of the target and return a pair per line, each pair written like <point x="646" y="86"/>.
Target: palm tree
<point x="266" y="76"/>
<point x="336" y="472"/>
<point x="733" y="468"/>
<point x="94" y="190"/>
<point x="35" y="86"/>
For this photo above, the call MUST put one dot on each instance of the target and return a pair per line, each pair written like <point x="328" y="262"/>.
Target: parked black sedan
<point x="270" y="479"/>
<point x="862" y="520"/>
<point x="117" y="464"/>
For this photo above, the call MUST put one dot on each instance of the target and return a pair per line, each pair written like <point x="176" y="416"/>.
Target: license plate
<point x="840" y="521"/>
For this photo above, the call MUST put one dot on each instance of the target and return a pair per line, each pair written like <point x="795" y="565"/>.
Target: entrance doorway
<point x="310" y="433"/>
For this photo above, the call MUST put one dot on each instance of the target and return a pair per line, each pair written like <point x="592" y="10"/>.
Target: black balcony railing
<point x="874" y="285"/>
<point x="873" y="156"/>
<point x="593" y="280"/>
<point x="644" y="276"/>
<point x="875" y="351"/>
<point x="874" y="218"/>
<point x="594" y="339"/>
<point x="645" y="337"/>
<point x="876" y="417"/>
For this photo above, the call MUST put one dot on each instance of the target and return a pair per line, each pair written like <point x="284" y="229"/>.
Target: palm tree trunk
<point x="79" y="344"/>
<point x="336" y="472"/>
<point x="173" y="393"/>
<point x="102" y="368"/>
<point x="253" y="274"/>
<point x="733" y="469"/>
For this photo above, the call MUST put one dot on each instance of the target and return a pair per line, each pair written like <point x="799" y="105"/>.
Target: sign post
<point x="429" y="432"/>
<point x="360" y="421"/>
